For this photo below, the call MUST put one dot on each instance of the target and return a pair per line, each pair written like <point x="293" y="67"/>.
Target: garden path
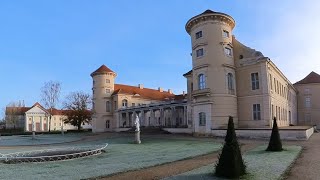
<point x="308" y="164"/>
<point x="174" y="168"/>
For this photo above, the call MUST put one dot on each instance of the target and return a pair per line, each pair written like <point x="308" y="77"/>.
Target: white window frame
<point x="108" y="106"/>
<point x="107" y="80"/>
<point x="108" y="91"/>
<point x="199" y="52"/>
<point x="308" y="102"/>
<point x="230" y="81"/>
<point x="255" y="81"/>
<point x="228" y="51"/>
<point x="201" y="81"/>
<point x="256" y="112"/>
<point x="225" y="33"/>
<point x="198" y="34"/>
<point x="124" y="103"/>
<point x="202" y="119"/>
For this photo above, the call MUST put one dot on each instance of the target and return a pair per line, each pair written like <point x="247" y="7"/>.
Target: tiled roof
<point x="311" y="78"/>
<point x="180" y="97"/>
<point x="102" y="70"/>
<point x="188" y="73"/>
<point x="23" y="110"/>
<point x="208" y="11"/>
<point x="143" y="93"/>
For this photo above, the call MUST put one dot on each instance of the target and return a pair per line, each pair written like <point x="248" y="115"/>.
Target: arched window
<point x="108" y="106"/>
<point x="230" y="83"/>
<point x="202" y="119"/>
<point x="124" y="103"/>
<point x="202" y="81"/>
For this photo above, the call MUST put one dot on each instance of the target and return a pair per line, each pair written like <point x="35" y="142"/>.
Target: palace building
<point x="227" y="79"/>
<point x="37" y="118"/>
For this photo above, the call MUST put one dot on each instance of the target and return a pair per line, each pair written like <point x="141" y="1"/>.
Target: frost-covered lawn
<point x="261" y="165"/>
<point x="121" y="155"/>
<point x="24" y="140"/>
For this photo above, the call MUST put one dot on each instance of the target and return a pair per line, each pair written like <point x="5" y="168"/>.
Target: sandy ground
<point x="174" y="168"/>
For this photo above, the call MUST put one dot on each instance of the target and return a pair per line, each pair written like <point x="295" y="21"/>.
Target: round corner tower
<point x="103" y="87"/>
<point x="213" y="70"/>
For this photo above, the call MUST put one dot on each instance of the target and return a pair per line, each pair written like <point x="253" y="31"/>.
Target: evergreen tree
<point x="230" y="163"/>
<point x="275" y="141"/>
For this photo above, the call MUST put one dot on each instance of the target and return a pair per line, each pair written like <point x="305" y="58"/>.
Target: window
<point x="124" y="103"/>
<point x="201" y="81"/>
<point x="198" y="34"/>
<point x="256" y="112"/>
<point x="92" y="91"/>
<point x="115" y="105"/>
<point x="199" y="52"/>
<point x="308" y="118"/>
<point x="228" y="51"/>
<point x="255" y="81"/>
<point x="133" y="104"/>
<point x="107" y="80"/>
<point x="93" y="82"/>
<point x="307" y="91"/>
<point x="230" y="83"/>
<point x="308" y="102"/>
<point x="202" y="119"/>
<point x="107" y="124"/>
<point x="93" y="105"/>
<point x="107" y="90"/>
<point x="270" y="81"/>
<point x="108" y="106"/>
<point x="225" y="33"/>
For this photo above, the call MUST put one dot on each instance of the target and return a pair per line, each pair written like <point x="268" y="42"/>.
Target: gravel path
<point x="307" y="166"/>
<point x="174" y="168"/>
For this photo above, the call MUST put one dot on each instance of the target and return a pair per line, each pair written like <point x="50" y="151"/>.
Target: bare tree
<point x="76" y="109"/>
<point x="13" y="114"/>
<point x="50" y="94"/>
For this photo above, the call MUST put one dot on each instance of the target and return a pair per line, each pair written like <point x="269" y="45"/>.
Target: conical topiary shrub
<point x="230" y="163"/>
<point x="275" y="141"/>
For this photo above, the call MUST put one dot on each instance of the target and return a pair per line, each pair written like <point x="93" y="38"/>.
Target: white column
<point x="33" y="128"/>
<point x="48" y="123"/>
<point x="26" y="123"/>
<point x="41" y="124"/>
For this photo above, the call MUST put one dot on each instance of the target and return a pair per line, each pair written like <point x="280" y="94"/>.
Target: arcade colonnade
<point x="155" y="115"/>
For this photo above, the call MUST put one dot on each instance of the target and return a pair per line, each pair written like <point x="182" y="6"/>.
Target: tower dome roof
<point x="209" y="14"/>
<point x="102" y="70"/>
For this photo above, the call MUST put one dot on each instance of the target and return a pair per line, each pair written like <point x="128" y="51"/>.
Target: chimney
<point x="170" y="91"/>
<point x="140" y="86"/>
<point x="160" y="89"/>
<point x="183" y="93"/>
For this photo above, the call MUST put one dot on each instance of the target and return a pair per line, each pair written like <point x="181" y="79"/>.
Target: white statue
<point x="137" y="123"/>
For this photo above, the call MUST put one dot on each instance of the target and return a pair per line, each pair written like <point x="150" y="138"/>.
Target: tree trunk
<point x="50" y="122"/>
<point x="79" y="126"/>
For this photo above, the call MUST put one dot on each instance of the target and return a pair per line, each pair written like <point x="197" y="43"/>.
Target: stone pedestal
<point x="33" y="135"/>
<point x="137" y="138"/>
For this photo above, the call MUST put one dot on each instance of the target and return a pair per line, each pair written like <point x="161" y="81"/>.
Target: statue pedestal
<point x="33" y="135"/>
<point x="137" y="138"/>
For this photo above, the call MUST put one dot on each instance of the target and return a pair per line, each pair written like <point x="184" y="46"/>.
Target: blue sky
<point x="142" y="41"/>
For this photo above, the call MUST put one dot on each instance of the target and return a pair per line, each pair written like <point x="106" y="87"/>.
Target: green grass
<point x="121" y="155"/>
<point x="261" y="165"/>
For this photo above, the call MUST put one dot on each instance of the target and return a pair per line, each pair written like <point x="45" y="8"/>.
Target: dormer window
<point x="225" y="33"/>
<point x="198" y="34"/>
